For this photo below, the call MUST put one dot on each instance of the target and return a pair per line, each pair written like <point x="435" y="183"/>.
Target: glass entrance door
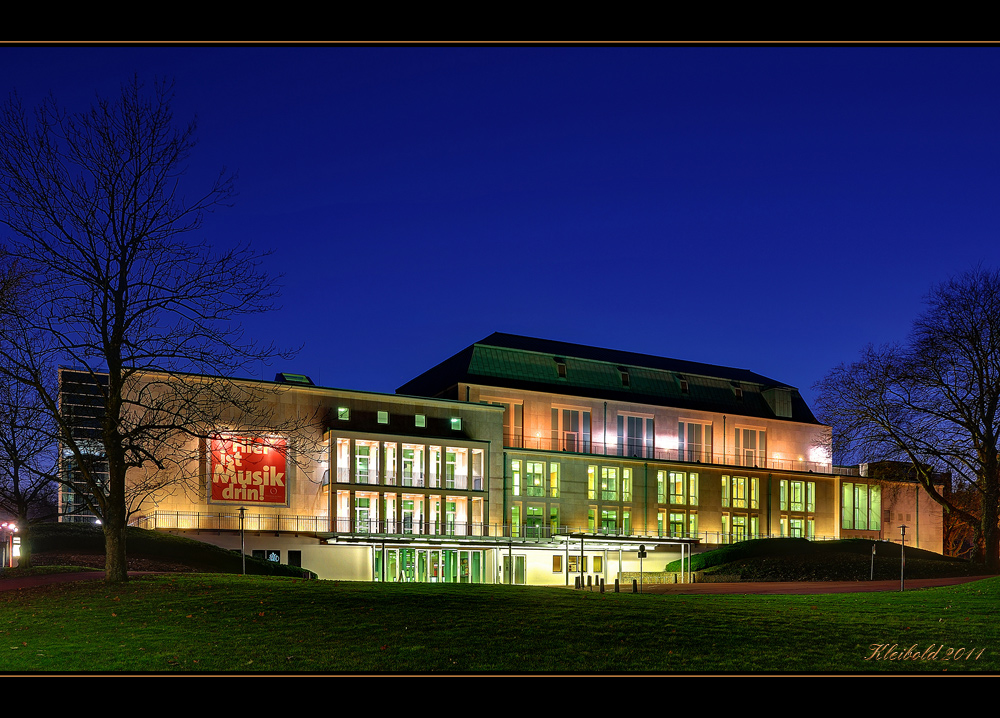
<point x="517" y="578"/>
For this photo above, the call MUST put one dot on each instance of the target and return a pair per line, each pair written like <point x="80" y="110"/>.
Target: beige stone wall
<point x="790" y="445"/>
<point x="300" y="415"/>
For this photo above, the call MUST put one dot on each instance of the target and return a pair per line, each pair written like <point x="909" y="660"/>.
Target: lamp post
<point x="243" y="553"/>
<point x="902" y="553"/>
<point x="642" y="555"/>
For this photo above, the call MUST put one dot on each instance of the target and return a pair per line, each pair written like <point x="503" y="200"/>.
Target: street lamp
<point x="243" y="553"/>
<point x="902" y="553"/>
<point x="642" y="555"/>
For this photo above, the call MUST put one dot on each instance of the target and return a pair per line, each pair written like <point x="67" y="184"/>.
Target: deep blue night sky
<point x="769" y="208"/>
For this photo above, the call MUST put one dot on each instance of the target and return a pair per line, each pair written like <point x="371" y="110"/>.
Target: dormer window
<point x="738" y="390"/>
<point x="684" y="384"/>
<point x="626" y="379"/>
<point x="560" y="368"/>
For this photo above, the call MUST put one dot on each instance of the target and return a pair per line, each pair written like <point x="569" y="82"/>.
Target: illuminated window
<point x="609" y="483"/>
<point x="554" y="479"/>
<point x="363" y="514"/>
<point x="420" y="420"/>
<point x="515" y="477"/>
<point x="694" y="442"/>
<point x="751" y="447"/>
<point x="557" y="564"/>
<point x="343" y="413"/>
<point x="797" y="499"/>
<point x="534" y="478"/>
<point x="554" y="518"/>
<point x="383" y="417"/>
<point x="609" y="521"/>
<point x="362" y="466"/>
<point x="533" y="522"/>
<point x="797" y="495"/>
<point x="862" y="507"/>
<point x="591" y="482"/>
<point x="661" y="487"/>
<point x="626" y="484"/>
<point x="678" y="479"/>
<point x="635" y="436"/>
<point x="456" y="423"/>
<point x="513" y="423"/>
<point x="365" y="462"/>
<point x="741" y="492"/>
<point x="570" y="430"/>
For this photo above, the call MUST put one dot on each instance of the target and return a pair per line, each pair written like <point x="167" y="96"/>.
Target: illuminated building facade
<point x="521" y="460"/>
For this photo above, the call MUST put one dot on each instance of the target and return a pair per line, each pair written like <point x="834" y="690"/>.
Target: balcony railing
<point x="416" y="529"/>
<point x="230" y="521"/>
<point x="414" y="479"/>
<point x="634" y="450"/>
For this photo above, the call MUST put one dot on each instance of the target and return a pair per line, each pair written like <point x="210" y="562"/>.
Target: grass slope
<point x="796" y="559"/>
<point x="203" y="623"/>
<point x="66" y="543"/>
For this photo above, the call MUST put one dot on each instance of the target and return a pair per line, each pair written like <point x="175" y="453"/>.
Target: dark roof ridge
<point x="616" y="356"/>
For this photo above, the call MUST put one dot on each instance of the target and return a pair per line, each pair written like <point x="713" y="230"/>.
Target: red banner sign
<point x="248" y="470"/>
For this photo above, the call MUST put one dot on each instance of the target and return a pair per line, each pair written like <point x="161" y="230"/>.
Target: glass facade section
<point x="861" y="509"/>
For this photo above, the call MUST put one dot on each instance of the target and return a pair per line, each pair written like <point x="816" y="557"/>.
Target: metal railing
<point x="230" y="521"/>
<point x="632" y="450"/>
<point x="406" y="528"/>
<point x="415" y="479"/>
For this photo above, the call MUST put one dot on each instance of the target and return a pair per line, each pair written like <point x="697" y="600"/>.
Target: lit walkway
<point x="803" y="587"/>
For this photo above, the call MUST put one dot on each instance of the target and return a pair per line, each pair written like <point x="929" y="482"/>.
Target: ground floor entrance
<point x="430" y="565"/>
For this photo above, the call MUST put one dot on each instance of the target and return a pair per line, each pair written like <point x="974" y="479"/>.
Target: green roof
<point x="511" y="361"/>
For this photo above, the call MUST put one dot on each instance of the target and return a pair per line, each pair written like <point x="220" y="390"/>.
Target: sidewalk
<point x="803" y="587"/>
<point x="787" y="588"/>
<point x="9" y="584"/>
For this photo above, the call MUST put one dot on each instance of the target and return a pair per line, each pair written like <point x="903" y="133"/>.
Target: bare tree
<point x="115" y="288"/>
<point x="28" y="462"/>
<point x="933" y="401"/>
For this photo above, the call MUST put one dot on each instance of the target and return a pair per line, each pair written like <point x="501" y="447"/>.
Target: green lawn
<point x="223" y="623"/>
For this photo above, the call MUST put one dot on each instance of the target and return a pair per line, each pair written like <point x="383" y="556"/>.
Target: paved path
<point x="8" y="584"/>
<point x="776" y="587"/>
<point x="804" y="587"/>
